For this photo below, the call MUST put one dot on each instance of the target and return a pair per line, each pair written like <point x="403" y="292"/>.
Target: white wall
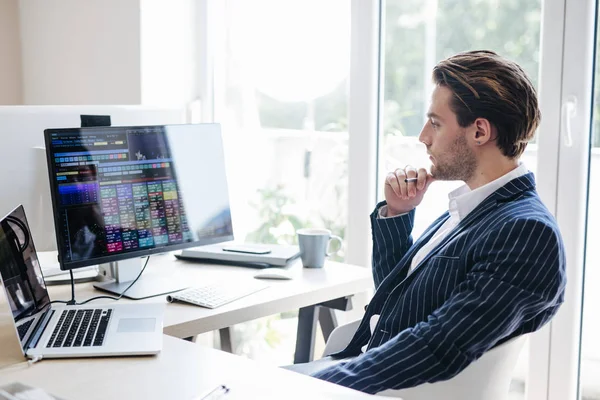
<point x="168" y="47"/>
<point x="80" y="52"/>
<point x="10" y="54"/>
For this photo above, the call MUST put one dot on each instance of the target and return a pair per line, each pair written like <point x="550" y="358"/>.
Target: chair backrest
<point x="486" y="378"/>
<point x="340" y="337"/>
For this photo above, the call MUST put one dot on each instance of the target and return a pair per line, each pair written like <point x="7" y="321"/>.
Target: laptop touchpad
<point x="136" y="325"/>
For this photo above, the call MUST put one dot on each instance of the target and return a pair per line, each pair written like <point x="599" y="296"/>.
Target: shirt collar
<point x="464" y="200"/>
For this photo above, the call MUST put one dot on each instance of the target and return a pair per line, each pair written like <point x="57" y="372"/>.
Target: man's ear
<point x="482" y="132"/>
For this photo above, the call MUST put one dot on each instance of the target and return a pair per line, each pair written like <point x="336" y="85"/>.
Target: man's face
<point x="446" y="141"/>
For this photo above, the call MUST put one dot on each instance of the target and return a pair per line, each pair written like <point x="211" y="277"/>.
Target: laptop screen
<point x="19" y="268"/>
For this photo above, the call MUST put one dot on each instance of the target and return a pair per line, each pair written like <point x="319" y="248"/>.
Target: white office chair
<point x="487" y="378"/>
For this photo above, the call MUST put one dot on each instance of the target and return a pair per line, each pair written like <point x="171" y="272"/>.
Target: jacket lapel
<point x="504" y="194"/>
<point x="407" y="259"/>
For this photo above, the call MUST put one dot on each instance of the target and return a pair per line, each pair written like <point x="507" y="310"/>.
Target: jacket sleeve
<point x="391" y="240"/>
<point x="518" y="274"/>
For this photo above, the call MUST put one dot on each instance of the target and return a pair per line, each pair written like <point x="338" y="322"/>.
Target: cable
<point x="98" y="298"/>
<point x="72" y="302"/>
<point x="21" y="365"/>
<point x="21" y="249"/>
<point x="123" y="292"/>
<point x="23" y="228"/>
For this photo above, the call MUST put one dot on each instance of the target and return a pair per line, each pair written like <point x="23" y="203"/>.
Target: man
<point x="488" y="270"/>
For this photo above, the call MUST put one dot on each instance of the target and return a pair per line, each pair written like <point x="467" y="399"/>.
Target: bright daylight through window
<point x="285" y="78"/>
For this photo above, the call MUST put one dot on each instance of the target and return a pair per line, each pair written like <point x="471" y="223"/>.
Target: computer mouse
<point x="273" y="273"/>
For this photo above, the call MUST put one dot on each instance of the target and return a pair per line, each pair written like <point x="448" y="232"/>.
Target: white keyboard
<point x="217" y="294"/>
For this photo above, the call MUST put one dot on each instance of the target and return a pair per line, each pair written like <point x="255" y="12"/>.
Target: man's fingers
<point x="401" y="176"/>
<point x="408" y="181"/>
<point x="411" y="180"/>
<point x="430" y="180"/>
<point x="421" y="178"/>
<point x="392" y="181"/>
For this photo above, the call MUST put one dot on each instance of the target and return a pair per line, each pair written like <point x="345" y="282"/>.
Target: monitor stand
<point x="119" y="275"/>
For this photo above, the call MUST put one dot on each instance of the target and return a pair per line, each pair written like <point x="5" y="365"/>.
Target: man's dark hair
<point x="488" y="86"/>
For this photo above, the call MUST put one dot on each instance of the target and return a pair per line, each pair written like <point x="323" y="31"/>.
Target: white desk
<point x="309" y="287"/>
<point x="181" y="371"/>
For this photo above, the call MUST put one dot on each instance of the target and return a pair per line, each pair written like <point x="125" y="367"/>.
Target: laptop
<point x="50" y="331"/>
<point x="250" y="255"/>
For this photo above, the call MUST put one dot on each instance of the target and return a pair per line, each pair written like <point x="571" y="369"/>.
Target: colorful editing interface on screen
<point x="118" y="191"/>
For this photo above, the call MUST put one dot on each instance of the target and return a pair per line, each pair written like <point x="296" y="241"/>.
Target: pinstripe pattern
<point x="499" y="274"/>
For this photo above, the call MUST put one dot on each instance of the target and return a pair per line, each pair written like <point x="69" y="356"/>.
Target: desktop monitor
<point x="23" y="145"/>
<point x="121" y="193"/>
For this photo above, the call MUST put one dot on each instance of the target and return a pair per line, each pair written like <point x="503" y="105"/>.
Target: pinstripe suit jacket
<point x="499" y="274"/>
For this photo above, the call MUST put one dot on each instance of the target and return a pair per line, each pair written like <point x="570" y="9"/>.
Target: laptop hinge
<point x="39" y="330"/>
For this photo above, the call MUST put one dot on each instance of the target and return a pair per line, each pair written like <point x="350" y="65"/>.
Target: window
<point x="283" y="82"/>
<point x="590" y="347"/>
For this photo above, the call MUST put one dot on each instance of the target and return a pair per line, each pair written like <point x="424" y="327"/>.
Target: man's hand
<point x="402" y="196"/>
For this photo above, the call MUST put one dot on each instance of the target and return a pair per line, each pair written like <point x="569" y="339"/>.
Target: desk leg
<point x="307" y="325"/>
<point x="328" y="321"/>
<point x="305" y="339"/>
<point x="225" y="336"/>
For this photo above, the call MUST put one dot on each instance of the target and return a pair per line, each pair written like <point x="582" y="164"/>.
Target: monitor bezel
<point x="133" y="254"/>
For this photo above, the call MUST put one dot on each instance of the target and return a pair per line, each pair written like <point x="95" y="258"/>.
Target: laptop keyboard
<point x="76" y="328"/>
<point x="24" y="328"/>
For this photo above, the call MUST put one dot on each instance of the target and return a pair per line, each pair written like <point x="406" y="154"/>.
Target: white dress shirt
<point x="461" y="202"/>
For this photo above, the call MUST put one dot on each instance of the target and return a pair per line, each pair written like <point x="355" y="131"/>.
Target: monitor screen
<point x="123" y="192"/>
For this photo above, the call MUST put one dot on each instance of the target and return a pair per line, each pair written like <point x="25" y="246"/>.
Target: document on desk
<point x="242" y="391"/>
<point x="19" y="391"/>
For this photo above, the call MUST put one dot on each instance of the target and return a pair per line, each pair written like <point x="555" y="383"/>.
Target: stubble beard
<point x="459" y="164"/>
